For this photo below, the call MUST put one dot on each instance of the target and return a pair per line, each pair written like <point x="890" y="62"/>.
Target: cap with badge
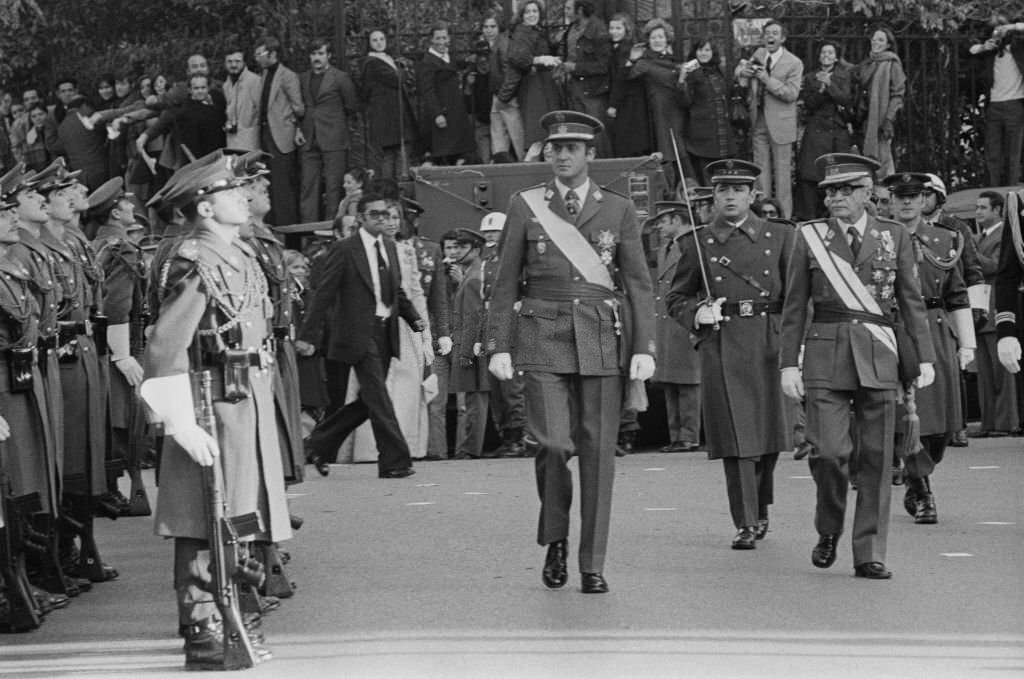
<point x="844" y="168"/>
<point x="906" y="183"/>
<point x="10" y="183"/>
<point x="571" y="126"/>
<point x="54" y="177"/>
<point x="732" y="171"/>
<point x="470" y="237"/>
<point x="203" y="177"/>
<point x="493" y="221"/>
<point x="664" y="208"/>
<point x="106" y="196"/>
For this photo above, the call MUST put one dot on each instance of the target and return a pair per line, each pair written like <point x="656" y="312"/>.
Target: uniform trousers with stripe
<point x="569" y="415"/>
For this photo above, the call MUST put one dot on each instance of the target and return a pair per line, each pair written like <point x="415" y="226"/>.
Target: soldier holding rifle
<point x="213" y="318"/>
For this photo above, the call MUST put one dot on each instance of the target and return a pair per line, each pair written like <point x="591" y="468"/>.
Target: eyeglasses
<point x="844" y="190"/>
<point x="377" y="215"/>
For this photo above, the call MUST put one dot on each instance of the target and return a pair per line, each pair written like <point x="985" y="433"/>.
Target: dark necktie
<point x="768" y="65"/>
<point x="854" y="240"/>
<point x="387" y="294"/>
<point x="572" y="203"/>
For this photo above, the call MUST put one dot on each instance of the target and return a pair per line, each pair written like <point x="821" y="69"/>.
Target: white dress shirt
<point x="861" y="225"/>
<point x="582" y="191"/>
<point x="369" y="241"/>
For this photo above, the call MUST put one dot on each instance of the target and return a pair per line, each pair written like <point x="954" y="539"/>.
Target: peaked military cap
<point x="571" y="126"/>
<point x="106" y="195"/>
<point x="10" y="183"/>
<point x="732" y="171"/>
<point x="700" y="194"/>
<point x="203" y="176"/>
<point x="668" y="207"/>
<point x="470" y="237"/>
<point x="53" y="177"/>
<point x="906" y="183"/>
<point x="843" y="168"/>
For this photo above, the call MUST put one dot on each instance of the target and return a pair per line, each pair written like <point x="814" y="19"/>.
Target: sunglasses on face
<point x="844" y="190"/>
<point x="377" y="215"/>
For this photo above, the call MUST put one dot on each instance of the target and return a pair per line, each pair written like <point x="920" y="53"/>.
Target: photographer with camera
<point x="1004" y="112"/>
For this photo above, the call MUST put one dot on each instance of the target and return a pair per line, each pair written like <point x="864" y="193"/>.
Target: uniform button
<point x="767" y="272"/>
<point x="657" y="299"/>
<point x="855" y="321"/>
<point x="726" y="318"/>
<point x="576" y="301"/>
<point x="767" y="252"/>
<point x="711" y="241"/>
<point x="718" y="279"/>
<point x="857" y="269"/>
<point x="767" y="234"/>
<point x="575" y="278"/>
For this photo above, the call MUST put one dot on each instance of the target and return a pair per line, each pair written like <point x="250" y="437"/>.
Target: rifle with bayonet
<point x="228" y="567"/>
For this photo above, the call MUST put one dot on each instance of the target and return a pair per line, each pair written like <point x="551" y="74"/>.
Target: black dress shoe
<point x="873" y="570"/>
<point x="322" y="467"/>
<point x="745" y="538"/>
<point x="762" y="528"/>
<point x="431" y="457"/>
<point x="555" y="574"/>
<point x="396" y="473"/>
<point x="824" y="553"/>
<point x="593" y="583"/>
<point x="925" y="511"/>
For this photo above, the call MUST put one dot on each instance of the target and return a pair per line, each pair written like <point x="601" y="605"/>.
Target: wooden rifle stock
<point x="21" y="607"/>
<point x="238" y="650"/>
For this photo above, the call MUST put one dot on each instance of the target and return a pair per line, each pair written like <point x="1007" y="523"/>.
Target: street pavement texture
<point x="438" y="575"/>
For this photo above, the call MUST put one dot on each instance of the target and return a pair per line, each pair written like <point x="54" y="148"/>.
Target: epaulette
<point x="890" y="222"/>
<point x="189" y="249"/>
<point x="613" y="192"/>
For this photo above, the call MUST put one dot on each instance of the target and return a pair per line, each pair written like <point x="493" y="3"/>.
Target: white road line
<point x="956" y="554"/>
<point x="660" y="509"/>
<point x="417" y="504"/>
<point x="984" y="467"/>
<point x="425" y="485"/>
<point x="655" y="469"/>
<point x="997" y="523"/>
<point x="801" y="477"/>
<point x="473" y="492"/>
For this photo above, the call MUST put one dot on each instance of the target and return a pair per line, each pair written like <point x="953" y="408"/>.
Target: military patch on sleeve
<point x="651" y="348"/>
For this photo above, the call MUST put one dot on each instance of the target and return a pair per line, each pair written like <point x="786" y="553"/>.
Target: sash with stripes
<point x="569" y="240"/>
<point x="844" y="280"/>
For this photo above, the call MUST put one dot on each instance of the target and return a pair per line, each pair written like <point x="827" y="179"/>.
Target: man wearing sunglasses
<point x="353" y="321"/>
<point x="858" y="272"/>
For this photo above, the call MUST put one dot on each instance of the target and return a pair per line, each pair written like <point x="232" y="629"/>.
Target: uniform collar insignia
<point x="597" y="194"/>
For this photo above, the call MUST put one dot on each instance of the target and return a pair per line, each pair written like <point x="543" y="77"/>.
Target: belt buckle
<point x="746" y="308"/>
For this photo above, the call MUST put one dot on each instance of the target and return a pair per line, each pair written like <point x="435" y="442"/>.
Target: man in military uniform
<point x="584" y="320"/>
<point x="728" y="288"/>
<point x="951" y="325"/>
<point x="508" y="411"/>
<point x="1008" y="284"/>
<point x="858" y="272"/>
<point x="678" y="363"/>
<point x="124" y="302"/>
<point x="213" y="315"/>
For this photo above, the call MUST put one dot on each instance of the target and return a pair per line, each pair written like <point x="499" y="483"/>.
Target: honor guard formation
<point x="179" y="334"/>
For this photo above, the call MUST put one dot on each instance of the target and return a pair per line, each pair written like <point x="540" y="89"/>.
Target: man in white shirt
<point x="1004" y="113"/>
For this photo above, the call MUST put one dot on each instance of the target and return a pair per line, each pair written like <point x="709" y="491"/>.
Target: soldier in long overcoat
<point x="734" y="314"/>
<point x="951" y="326"/>
<point x="214" y="309"/>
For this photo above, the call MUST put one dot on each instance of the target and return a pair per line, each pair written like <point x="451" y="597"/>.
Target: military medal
<point x="542" y="247"/>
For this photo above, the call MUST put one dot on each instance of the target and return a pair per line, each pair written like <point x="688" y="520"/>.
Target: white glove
<point x="793" y="383"/>
<point x="199" y="445"/>
<point x="926" y="377"/>
<point x="131" y="370"/>
<point x="477" y="348"/>
<point x="641" y="367"/>
<point x="1008" y="349"/>
<point x="966" y="355"/>
<point x="501" y="366"/>
<point x="5" y="429"/>
<point x="444" y="345"/>
<point x="709" y="314"/>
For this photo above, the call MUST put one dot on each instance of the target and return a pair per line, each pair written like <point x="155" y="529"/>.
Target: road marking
<point x="997" y="523"/>
<point x="425" y="485"/>
<point x="655" y="469"/>
<point x="659" y="509"/>
<point x="417" y="504"/>
<point x="956" y="554"/>
<point x="292" y="495"/>
<point x="984" y="467"/>
<point x="474" y="492"/>
<point x="801" y="477"/>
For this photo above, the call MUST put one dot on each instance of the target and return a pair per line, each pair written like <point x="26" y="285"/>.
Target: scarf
<point x="385" y="57"/>
<point x="877" y="72"/>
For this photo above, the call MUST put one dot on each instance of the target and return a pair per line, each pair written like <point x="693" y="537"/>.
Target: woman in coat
<point x="531" y="58"/>
<point x="390" y="119"/>
<point x="443" y="108"/>
<point x="881" y="85"/>
<point x="658" y="69"/>
<point x="828" y="93"/>
<point x="628" y="121"/>
<point x="704" y="91"/>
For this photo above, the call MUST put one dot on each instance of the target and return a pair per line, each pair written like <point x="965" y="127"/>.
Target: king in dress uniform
<point x="728" y="288"/>
<point x="583" y="321"/>
<point x="852" y="274"/>
<point x="213" y="315"/>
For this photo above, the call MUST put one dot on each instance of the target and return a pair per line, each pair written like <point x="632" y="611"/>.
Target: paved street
<point x="438" y="576"/>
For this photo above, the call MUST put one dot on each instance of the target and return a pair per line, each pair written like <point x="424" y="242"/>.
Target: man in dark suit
<point x="83" y="142"/>
<point x="281" y="109"/>
<point x="859" y="272"/>
<point x="360" y="297"/>
<point x="584" y="321"/>
<point x="330" y="98"/>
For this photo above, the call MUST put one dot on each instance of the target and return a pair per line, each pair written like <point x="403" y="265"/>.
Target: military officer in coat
<point x="1008" y="283"/>
<point x="940" y="270"/>
<point x="214" y="310"/>
<point x="728" y="289"/>
<point x="582" y="322"/>
<point x="857" y="272"/>
<point x="678" y="363"/>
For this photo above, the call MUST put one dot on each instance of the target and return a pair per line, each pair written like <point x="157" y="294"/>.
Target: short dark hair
<point x="584" y="7"/>
<point x="994" y="199"/>
<point x="66" y="79"/>
<point x="269" y="42"/>
<point x="383" y="186"/>
<point x="368" y="198"/>
<point x="440" y="25"/>
<point x="499" y="19"/>
<point x="834" y="45"/>
<point x="774" y="22"/>
<point x="705" y="40"/>
<point x="195" y="76"/>
<point x="319" y="42"/>
<point x="106" y="78"/>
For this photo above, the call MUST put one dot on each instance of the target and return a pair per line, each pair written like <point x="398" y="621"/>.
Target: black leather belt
<point x="829" y="315"/>
<point x="210" y="359"/>
<point x="745" y="308"/>
<point x="934" y="303"/>
<point x="74" y="328"/>
<point x="283" y="332"/>
<point x="47" y="343"/>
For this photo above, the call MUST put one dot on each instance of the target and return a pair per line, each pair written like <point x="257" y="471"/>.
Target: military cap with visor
<point x="906" y="183"/>
<point x="571" y="126"/>
<point x="732" y="171"/>
<point x="493" y="221"/>
<point x="845" y="168"/>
